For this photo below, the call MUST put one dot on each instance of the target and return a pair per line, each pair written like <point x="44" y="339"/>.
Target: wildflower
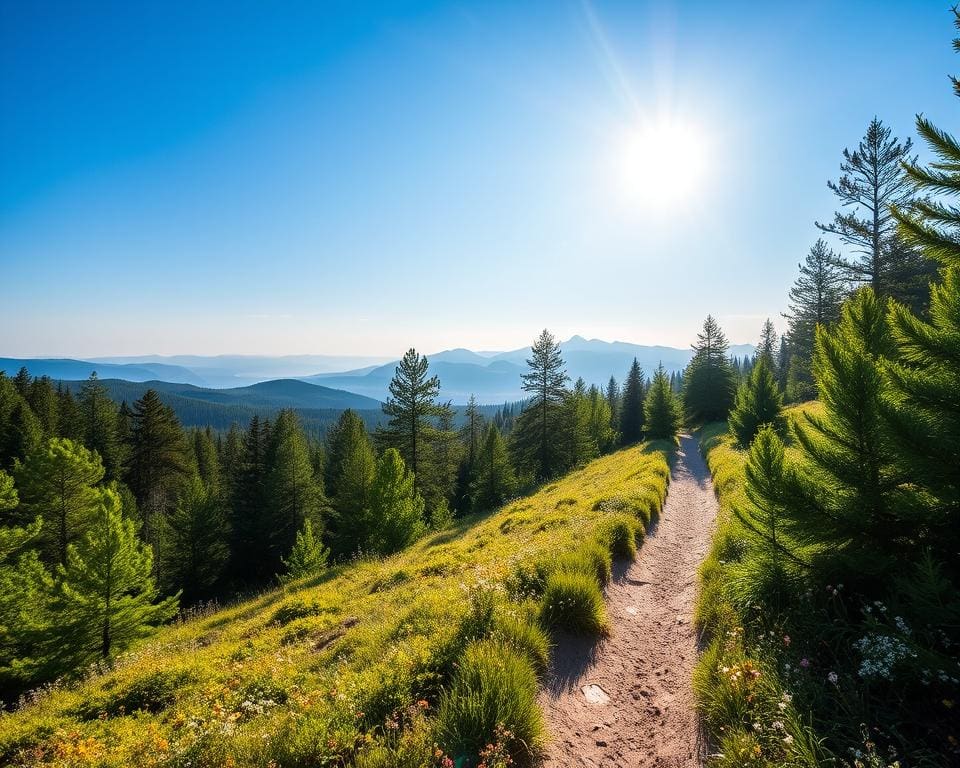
<point x="788" y="739"/>
<point x="805" y="662"/>
<point x="832" y="677"/>
<point x="786" y="640"/>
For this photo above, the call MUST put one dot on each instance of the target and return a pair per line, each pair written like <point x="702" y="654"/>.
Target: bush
<point x="529" y="579"/>
<point x="492" y="700"/>
<point x="621" y="535"/>
<point x="593" y="559"/>
<point x="298" y="609"/>
<point x="572" y="600"/>
<point x="152" y="693"/>
<point x="519" y="630"/>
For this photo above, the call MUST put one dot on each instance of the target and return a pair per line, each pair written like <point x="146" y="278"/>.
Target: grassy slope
<point x="746" y="700"/>
<point x="305" y="675"/>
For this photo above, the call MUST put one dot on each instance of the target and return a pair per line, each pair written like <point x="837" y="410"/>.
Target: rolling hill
<point x="66" y="369"/>
<point x="318" y="406"/>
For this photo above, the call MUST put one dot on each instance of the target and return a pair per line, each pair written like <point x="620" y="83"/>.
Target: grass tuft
<point x="493" y="699"/>
<point x="572" y="601"/>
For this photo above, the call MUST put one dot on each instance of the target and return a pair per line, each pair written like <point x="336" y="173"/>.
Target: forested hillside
<point x="428" y="657"/>
<point x="830" y="601"/>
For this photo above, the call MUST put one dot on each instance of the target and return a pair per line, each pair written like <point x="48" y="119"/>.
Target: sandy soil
<point x="627" y="700"/>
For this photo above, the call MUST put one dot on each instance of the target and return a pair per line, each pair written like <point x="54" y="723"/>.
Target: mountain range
<point x="493" y="377"/>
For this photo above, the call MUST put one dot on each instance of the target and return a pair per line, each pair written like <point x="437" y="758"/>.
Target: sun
<point x="662" y="163"/>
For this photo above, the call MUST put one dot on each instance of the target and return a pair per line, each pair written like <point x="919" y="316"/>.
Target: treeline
<point x="836" y="615"/>
<point x="114" y="515"/>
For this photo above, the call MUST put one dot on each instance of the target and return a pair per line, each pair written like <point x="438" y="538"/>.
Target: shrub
<point x="152" y="693"/>
<point x="592" y="558"/>
<point x="519" y="630"/>
<point x="621" y="535"/>
<point x="572" y="600"/>
<point x="298" y="609"/>
<point x="494" y="692"/>
<point x="528" y="579"/>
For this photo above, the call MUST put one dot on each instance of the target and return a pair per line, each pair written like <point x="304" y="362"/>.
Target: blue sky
<point x="329" y="178"/>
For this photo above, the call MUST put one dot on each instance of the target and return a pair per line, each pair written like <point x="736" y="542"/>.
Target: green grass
<point x="745" y="697"/>
<point x="494" y="686"/>
<point x="329" y="670"/>
<point x="572" y="601"/>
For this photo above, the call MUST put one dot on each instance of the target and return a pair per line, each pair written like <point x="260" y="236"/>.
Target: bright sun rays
<point x="662" y="164"/>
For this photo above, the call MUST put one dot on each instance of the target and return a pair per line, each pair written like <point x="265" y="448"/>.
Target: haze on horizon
<point x="347" y="181"/>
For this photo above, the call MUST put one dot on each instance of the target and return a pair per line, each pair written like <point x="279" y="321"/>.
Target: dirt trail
<point x="627" y="701"/>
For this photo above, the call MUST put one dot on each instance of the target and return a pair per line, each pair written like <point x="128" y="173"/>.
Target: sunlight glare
<point x="662" y="164"/>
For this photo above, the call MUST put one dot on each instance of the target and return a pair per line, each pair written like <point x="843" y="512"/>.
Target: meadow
<point x="429" y="657"/>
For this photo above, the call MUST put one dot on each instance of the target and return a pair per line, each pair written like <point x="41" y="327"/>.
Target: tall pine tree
<point x="350" y="469"/>
<point x="631" y="406"/>
<point x="157" y="463"/>
<point x="758" y="403"/>
<point x="58" y="482"/>
<point x="661" y="409"/>
<point x="815" y="299"/>
<point x="709" y="381"/>
<point x="411" y="406"/>
<point x="535" y="437"/>
<point x="105" y="597"/>
<point x="872" y="180"/>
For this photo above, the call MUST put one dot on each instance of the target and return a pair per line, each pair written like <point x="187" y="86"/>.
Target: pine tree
<point x="294" y="493"/>
<point x="98" y="417"/>
<point x="577" y="445"/>
<point x="230" y="453"/>
<point x="25" y="586"/>
<point x="767" y="511"/>
<point x="631" y="406"/>
<point x="768" y="344"/>
<point x="395" y="508"/>
<point x="924" y="406"/>
<point x="613" y="401"/>
<point x="443" y="461"/>
<point x="471" y="437"/>
<point x="709" y="380"/>
<point x="872" y="180"/>
<point x="929" y="224"/>
<point x="784" y="355"/>
<point x="58" y="482"/>
<point x="849" y="495"/>
<point x="535" y="435"/>
<point x="206" y="459"/>
<point x="105" y="593"/>
<point x="197" y="546"/>
<point x="22" y="381"/>
<point x="249" y="522"/>
<point x="661" y="410"/>
<point x="69" y="423"/>
<point x="42" y="399"/>
<point x="815" y="299"/>
<point x="602" y="434"/>
<point x="308" y="556"/>
<point x="23" y="434"/>
<point x="156" y="464"/>
<point x="758" y="403"/>
<point x="350" y="468"/>
<point x="411" y="405"/>
<point x="495" y="481"/>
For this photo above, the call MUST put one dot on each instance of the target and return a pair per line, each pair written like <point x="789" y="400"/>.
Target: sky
<point x="359" y="178"/>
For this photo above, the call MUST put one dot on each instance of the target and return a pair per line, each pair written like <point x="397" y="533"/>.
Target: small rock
<point x="601" y="743"/>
